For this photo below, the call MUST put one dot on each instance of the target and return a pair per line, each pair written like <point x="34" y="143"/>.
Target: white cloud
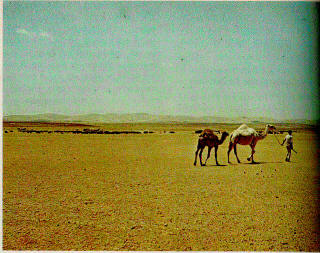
<point x="46" y="35"/>
<point x="34" y="35"/>
<point x="27" y="33"/>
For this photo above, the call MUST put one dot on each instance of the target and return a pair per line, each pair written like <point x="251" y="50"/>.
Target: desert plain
<point x="123" y="192"/>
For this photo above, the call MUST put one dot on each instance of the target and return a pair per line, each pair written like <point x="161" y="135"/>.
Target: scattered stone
<point x="136" y="226"/>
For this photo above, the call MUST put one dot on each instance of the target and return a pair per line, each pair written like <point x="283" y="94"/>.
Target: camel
<point x="245" y="135"/>
<point x="208" y="138"/>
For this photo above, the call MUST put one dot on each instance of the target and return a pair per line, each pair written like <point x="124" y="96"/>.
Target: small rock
<point x="136" y="226"/>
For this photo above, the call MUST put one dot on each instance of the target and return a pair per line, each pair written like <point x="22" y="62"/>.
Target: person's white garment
<point x="288" y="139"/>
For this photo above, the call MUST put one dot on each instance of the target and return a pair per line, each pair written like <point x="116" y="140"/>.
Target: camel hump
<point x="207" y="133"/>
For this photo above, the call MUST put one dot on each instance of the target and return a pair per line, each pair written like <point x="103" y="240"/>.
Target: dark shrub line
<point x="85" y="131"/>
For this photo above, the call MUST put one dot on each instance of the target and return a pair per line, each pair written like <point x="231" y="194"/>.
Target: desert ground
<point x="67" y="191"/>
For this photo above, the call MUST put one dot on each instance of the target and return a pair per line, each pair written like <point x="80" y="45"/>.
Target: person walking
<point x="289" y="144"/>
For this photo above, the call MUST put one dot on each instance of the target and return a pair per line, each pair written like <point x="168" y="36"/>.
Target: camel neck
<point x="223" y="137"/>
<point x="264" y="134"/>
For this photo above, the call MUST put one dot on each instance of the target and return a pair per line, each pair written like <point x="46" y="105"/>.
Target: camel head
<point x="223" y="137"/>
<point x="270" y="128"/>
<point x="225" y="134"/>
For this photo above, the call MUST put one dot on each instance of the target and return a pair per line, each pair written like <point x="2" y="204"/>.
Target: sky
<point x="229" y="59"/>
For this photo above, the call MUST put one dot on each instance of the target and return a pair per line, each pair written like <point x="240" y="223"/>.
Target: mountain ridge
<point x="144" y="118"/>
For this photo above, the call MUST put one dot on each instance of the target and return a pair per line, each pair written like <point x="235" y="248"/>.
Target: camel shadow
<point x="255" y="163"/>
<point x="215" y="165"/>
<point x="263" y="162"/>
<point x="210" y="165"/>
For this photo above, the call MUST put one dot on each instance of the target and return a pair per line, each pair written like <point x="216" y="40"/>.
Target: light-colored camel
<point x="208" y="138"/>
<point x="245" y="135"/>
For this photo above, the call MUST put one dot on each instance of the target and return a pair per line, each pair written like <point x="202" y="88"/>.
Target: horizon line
<point x="172" y="115"/>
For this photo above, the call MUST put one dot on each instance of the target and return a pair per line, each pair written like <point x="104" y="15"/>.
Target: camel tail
<point x="230" y="137"/>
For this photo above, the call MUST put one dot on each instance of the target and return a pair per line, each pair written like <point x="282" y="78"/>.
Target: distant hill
<point x="140" y="118"/>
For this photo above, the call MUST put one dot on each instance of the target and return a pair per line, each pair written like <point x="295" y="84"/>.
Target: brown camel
<point x="208" y="138"/>
<point x="245" y="135"/>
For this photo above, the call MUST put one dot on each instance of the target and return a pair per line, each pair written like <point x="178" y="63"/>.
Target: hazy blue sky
<point x="180" y="58"/>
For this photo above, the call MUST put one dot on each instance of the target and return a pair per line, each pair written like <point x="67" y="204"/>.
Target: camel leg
<point x="235" y="152"/>
<point x="251" y="156"/>
<point x="215" y="154"/>
<point x="230" y="148"/>
<point x="200" y="156"/>
<point x="209" y="151"/>
<point x="195" y="158"/>
<point x="252" y="152"/>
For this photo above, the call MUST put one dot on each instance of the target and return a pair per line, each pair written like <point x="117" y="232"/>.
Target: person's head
<point x="290" y="132"/>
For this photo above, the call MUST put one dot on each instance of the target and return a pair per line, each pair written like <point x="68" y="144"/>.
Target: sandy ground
<point x="142" y="192"/>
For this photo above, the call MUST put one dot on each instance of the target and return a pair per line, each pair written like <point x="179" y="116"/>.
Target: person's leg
<point x="288" y="153"/>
